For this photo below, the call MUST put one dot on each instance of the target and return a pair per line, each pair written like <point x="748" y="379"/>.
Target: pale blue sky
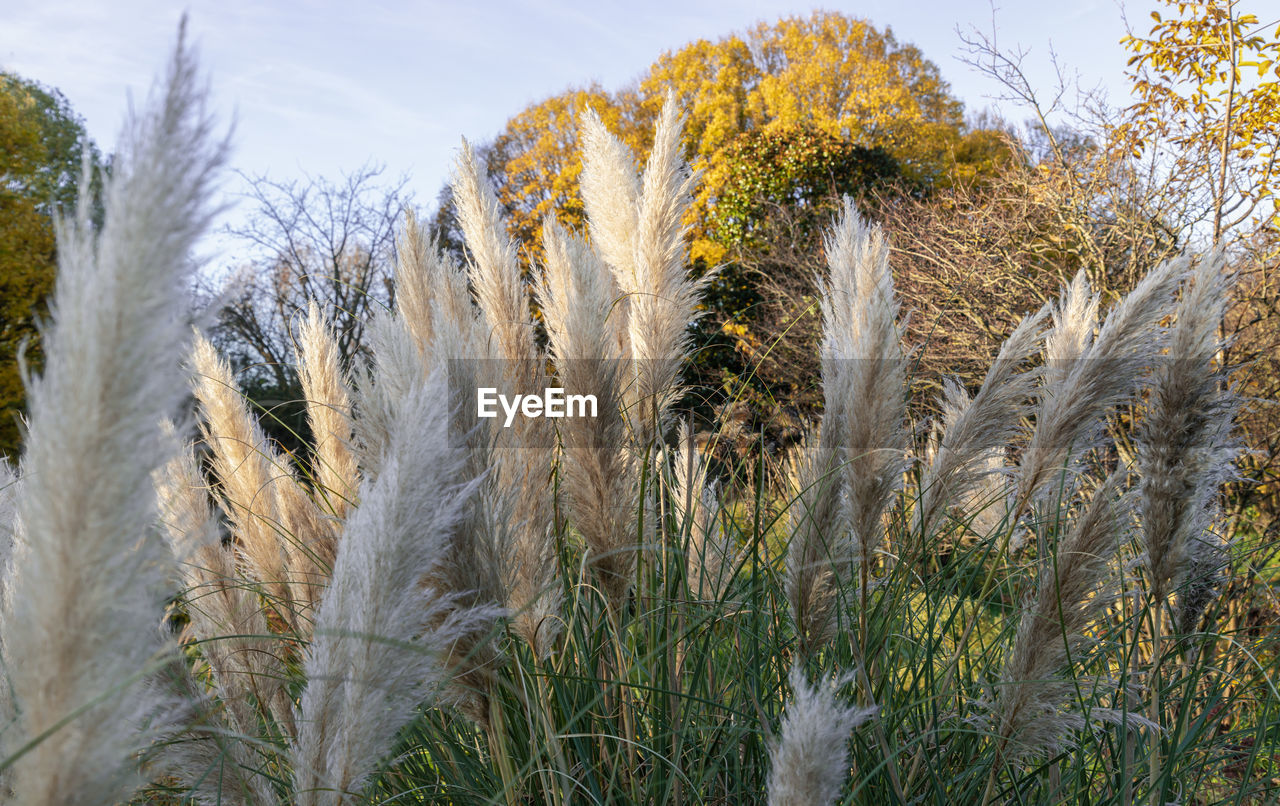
<point x="322" y="86"/>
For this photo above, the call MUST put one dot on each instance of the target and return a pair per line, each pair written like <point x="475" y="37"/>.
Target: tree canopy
<point x="42" y="148"/>
<point x="828" y="73"/>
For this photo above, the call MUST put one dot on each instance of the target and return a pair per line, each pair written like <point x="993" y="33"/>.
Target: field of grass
<point x="1027" y="599"/>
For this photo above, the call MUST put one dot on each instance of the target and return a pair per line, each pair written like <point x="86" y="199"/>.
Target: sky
<point x="320" y="87"/>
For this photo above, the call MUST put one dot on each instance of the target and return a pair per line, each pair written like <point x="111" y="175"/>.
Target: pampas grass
<point x="286" y="545"/>
<point x="578" y="299"/>
<point x="847" y="472"/>
<point x="87" y="588"/>
<point x="1184" y="453"/>
<point x="640" y="230"/>
<point x="663" y="298"/>
<point x="820" y="553"/>
<point x="328" y="413"/>
<point x="225" y="615"/>
<point x="422" y="605"/>
<point x="864" y="378"/>
<point x="8" y="518"/>
<point x="1109" y="369"/>
<point x="610" y="189"/>
<point x="975" y="428"/>
<point x="1071" y="589"/>
<point x="809" y="762"/>
<point x="527" y="553"/>
<point x="710" y="556"/>
<point x="382" y="631"/>
<point x="229" y="627"/>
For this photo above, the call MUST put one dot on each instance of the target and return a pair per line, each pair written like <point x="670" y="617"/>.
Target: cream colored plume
<point x="288" y="544"/>
<point x="809" y="762"/>
<point x="863" y="377"/>
<point x="88" y="583"/>
<point x="383" y="632"/>
<point x="324" y="387"/>
<point x="523" y="454"/>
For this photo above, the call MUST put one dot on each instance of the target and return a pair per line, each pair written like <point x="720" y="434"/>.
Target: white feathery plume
<point x="577" y="297"/>
<point x="416" y="278"/>
<point x="1184" y="450"/>
<point x="231" y="631"/>
<point x="10" y="528"/>
<point x="432" y="297"/>
<point x="328" y="413"/>
<point x="662" y="297"/>
<point x="397" y="367"/>
<point x="863" y="376"/>
<point x="87" y="593"/>
<point x="382" y="632"/>
<point x="976" y="429"/>
<point x="288" y="545"/>
<point x="9" y="485"/>
<point x="226" y="617"/>
<point x="470" y="568"/>
<point x="986" y="503"/>
<point x="494" y="271"/>
<point x="523" y="454"/>
<point x="820" y="554"/>
<point x="433" y="304"/>
<point x="610" y="188"/>
<point x="1074" y="403"/>
<point x="809" y="762"/>
<point x="1075" y="319"/>
<point x="1029" y="714"/>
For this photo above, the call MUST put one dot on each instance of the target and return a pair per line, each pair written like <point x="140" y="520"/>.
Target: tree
<point x="838" y="74"/>
<point x="835" y="74"/>
<point x="1191" y="77"/>
<point x="309" y="239"/>
<point x="43" y="146"/>
<point x="779" y="189"/>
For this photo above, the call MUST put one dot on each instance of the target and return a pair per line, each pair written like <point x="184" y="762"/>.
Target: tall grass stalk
<point x="86" y="589"/>
<point x="1184" y="453"/>
<point x="382" y="634"/>
<point x="527" y="556"/>
<point x="328" y="399"/>
<point x="864" y="385"/>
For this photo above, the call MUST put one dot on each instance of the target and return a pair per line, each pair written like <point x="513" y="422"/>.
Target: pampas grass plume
<point x="1077" y="394"/>
<point x="328" y="413"/>
<point x="863" y="375"/>
<point x="1184" y="450"/>
<point x="809" y="762"/>
<point x="382" y="632"/>
<point x="1071" y="590"/>
<point x="973" y="429"/>
<point x="81" y="621"/>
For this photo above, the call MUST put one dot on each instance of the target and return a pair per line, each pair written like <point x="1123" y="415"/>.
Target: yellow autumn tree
<point x="829" y="72"/>
<point x="1206" y="79"/>
<point x="834" y="73"/>
<point x="41" y="145"/>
